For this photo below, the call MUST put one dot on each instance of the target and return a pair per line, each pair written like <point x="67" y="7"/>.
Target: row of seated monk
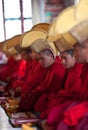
<point x="53" y="88"/>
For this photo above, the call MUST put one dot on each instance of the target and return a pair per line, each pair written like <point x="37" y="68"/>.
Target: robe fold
<point x="30" y="66"/>
<point x="75" y="115"/>
<point x="30" y="83"/>
<point x="8" y="69"/>
<point x="50" y="84"/>
<point x="69" y="93"/>
<point x="55" y="85"/>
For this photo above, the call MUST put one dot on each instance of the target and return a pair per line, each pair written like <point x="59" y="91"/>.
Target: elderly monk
<point x="52" y="81"/>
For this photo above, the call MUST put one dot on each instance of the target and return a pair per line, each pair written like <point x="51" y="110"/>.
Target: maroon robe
<point x="56" y="85"/>
<point x="20" y="70"/>
<point x="30" y="66"/>
<point x="9" y="69"/>
<point x="69" y="93"/>
<point x="84" y="102"/>
<point x="77" y="110"/>
<point x="38" y="75"/>
<point x="18" y="73"/>
<point x="50" y="84"/>
<point x="35" y="78"/>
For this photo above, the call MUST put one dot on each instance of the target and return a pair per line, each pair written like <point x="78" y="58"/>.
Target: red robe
<point x="8" y="69"/>
<point x="31" y="82"/>
<point x="75" y="111"/>
<point x="57" y="78"/>
<point x="72" y="116"/>
<point x="50" y="84"/>
<point x="35" y="78"/>
<point x="69" y="93"/>
<point x="17" y="74"/>
<point x="20" y="70"/>
<point x="30" y="66"/>
<point x="72" y="85"/>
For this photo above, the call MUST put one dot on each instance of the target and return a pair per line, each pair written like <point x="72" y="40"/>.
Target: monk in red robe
<point x="35" y="73"/>
<point x="19" y="68"/>
<point x="72" y="116"/>
<point x="43" y="100"/>
<point x="72" y="82"/>
<point x="50" y="83"/>
<point x="75" y="116"/>
<point x="9" y="69"/>
<point x="58" y="103"/>
<point x="30" y="67"/>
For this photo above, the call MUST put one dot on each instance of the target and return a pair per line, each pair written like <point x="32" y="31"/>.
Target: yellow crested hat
<point x="80" y="31"/>
<point x="65" y="42"/>
<point x="15" y="50"/>
<point x="3" y="46"/>
<point x="12" y="51"/>
<point x="40" y="45"/>
<point x="14" y="41"/>
<point x="63" y="23"/>
<point x="82" y="10"/>
<point x="41" y="26"/>
<point x="11" y="45"/>
<point x="67" y="19"/>
<point x="31" y="36"/>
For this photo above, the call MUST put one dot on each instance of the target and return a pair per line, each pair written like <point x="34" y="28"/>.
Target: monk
<point x="71" y="85"/>
<point x="30" y="67"/>
<point x="51" y="82"/>
<point x="8" y="68"/>
<point x="75" y="116"/>
<point x="13" y="70"/>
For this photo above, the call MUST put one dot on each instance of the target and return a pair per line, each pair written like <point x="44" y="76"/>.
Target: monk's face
<point x="46" y="60"/>
<point x="68" y="60"/>
<point x="35" y="56"/>
<point x="17" y="57"/>
<point x="81" y="53"/>
<point x="26" y="55"/>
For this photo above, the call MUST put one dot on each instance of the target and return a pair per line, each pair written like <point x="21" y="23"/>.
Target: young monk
<point x="13" y="70"/>
<point x="75" y="117"/>
<point x="31" y="63"/>
<point x="8" y="68"/>
<point x="71" y="85"/>
<point x="50" y="83"/>
<point x="78" y="113"/>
